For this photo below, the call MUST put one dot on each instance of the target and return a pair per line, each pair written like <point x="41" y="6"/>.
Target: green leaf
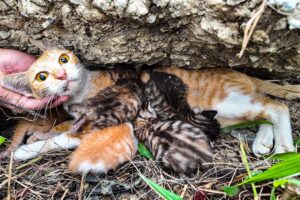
<point x="283" y="182"/>
<point x="246" y="124"/>
<point x="285" y="156"/>
<point x="231" y="190"/>
<point x="162" y="192"/>
<point x="142" y="149"/>
<point x="2" y="139"/>
<point x="272" y="196"/>
<point x="289" y="167"/>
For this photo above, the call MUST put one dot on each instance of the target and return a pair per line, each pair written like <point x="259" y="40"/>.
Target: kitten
<point x="167" y="94"/>
<point x="176" y="144"/>
<point x="114" y="105"/>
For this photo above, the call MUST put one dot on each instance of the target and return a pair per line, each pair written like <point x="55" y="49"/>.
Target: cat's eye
<point x="63" y="59"/>
<point x="42" y="76"/>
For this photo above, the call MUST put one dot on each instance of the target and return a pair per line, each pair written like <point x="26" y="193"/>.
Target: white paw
<point x="262" y="147"/>
<point x="282" y="148"/>
<point x="24" y="153"/>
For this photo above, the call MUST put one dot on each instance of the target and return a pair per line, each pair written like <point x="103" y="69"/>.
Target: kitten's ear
<point x="18" y="82"/>
<point x="210" y="114"/>
<point x="44" y="45"/>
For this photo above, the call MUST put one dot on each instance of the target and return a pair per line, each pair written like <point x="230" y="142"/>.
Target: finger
<point x="59" y="101"/>
<point x="32" y="104"/>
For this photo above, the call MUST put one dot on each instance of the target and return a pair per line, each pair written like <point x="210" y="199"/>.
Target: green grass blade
<point x="2" y="140"/>
<point x="162" y="192"/>
<point x="284" y="156"/>
<point x="231" y="190"/>
<point x="289" y="167"/>
<point x="297" y="141"/>
<point x="272" y="196"/>
<point x="246" y="124"/>
<point x="245" y="161"/>
<point x="144" y="151"/>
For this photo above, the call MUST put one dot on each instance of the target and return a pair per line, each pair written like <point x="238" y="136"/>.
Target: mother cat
<point x="233" y="95"/>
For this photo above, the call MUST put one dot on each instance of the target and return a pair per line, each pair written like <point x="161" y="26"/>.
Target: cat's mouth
<point x="69" y="84"/>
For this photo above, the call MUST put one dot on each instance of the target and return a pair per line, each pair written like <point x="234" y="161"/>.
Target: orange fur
<point x="110" y="147"/>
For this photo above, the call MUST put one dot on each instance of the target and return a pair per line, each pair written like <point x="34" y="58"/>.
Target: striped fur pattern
<point x="176" y="144"/>
<point x="167" y="94"/>
<point x="112" y="106"/>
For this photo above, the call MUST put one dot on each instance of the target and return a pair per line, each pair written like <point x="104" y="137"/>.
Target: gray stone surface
<point x="189" y="33"/>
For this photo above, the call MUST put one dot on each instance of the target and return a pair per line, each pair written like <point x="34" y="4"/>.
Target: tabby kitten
<point x="114" y="105"/>
<point x="176" y="144"/>
<point x="167" y="94"/>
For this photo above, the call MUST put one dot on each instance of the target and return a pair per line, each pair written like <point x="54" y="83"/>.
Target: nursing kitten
<point x="168" y="97"/>
<point x="176" y="144"/>
<point x="112" y="106"/>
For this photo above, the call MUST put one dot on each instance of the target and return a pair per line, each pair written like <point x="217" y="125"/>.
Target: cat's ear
<point x="210" y="114"/>
<point x="18" y="82"/>
<point x="44" y="45"/>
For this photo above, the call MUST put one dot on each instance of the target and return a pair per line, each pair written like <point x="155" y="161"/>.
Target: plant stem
<point x="245" y="161"/>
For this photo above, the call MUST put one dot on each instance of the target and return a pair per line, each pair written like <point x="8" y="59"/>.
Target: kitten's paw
<point x="283" y="148"/>
<point x="24" y="153"/>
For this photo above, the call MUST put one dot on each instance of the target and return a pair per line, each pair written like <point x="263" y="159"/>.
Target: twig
<point x="9" y="176"/>
<point x="183" y="191"/>
<point x="29" y="163"/>
<point x="80" y="194"/>
<point x="251" y="24"/>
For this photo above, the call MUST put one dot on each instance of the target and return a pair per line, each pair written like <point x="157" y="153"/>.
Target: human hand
<point x="12" y="61"/>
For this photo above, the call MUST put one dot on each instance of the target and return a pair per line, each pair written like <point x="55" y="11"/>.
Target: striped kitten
<point x="167" y="94"/>
<point x="178" y="145"/>
<point x="114" y="105"/>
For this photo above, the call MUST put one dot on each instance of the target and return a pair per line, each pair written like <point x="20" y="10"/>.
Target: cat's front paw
<point x="24" y="153"/>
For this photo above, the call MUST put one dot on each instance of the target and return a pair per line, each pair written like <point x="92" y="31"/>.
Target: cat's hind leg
<point x="263" y="142"/>
<point x="250" y="107"/>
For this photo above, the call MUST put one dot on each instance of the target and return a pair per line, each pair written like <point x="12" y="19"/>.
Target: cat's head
<point x="56" y="72"/>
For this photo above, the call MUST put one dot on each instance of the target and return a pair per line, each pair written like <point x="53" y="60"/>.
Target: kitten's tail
<point x="282" y="91"/>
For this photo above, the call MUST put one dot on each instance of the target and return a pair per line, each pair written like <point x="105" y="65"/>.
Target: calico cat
<point x="59" y="72"/>
<point x="233" y="95"/>
<point x="176" y="144"/>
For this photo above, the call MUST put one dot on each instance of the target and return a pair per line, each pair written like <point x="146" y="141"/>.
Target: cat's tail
<point x="282" y="91"/>
<point x="103" y="150"/>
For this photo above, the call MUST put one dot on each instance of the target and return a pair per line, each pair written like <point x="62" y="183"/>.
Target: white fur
<point x="263" y="142"/>
<point x="62" y="141"/>
<point x="87" y="166"/>
<point x="236" y="105"/>
<point x="282" y="130"/>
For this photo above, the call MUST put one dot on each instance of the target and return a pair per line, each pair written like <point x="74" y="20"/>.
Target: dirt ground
<point x="47" y="177"/>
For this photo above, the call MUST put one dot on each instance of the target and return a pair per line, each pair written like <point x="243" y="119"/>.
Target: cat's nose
<point x="61" y="75"/>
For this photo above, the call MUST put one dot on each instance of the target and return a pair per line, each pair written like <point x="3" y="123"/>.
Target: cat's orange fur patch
<point x="102" y="150"/>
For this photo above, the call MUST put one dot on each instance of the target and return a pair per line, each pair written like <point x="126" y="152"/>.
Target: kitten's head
<point x="56" y="72"/>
